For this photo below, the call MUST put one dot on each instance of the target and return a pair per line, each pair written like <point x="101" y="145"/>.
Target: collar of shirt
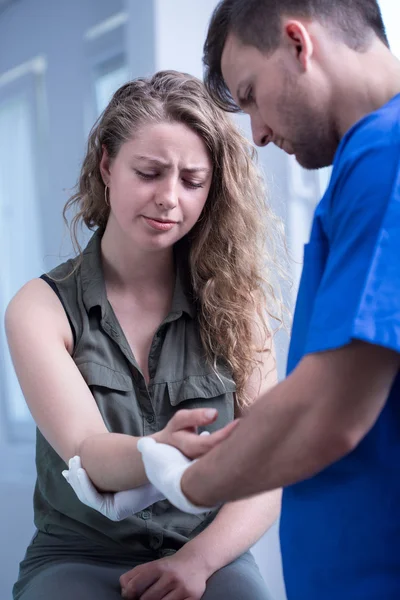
<point x="94" y="290"/>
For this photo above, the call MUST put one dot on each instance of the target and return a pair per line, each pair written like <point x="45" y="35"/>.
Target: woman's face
<point x="158" y="185"/>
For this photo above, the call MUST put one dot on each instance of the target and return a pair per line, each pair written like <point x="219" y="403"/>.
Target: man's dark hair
<point x="258" y="23"/>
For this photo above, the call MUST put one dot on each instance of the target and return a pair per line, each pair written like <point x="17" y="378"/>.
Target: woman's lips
<point x="159" y="225"/>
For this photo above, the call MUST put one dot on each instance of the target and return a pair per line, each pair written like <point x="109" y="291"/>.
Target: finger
<point x="81" y="484"/>
<point x="205" y="433"/>
<point x="131" y="591"/>
<point x="195" y="417"/>
<point x="77" y="462"/>
<point x="140" y="582"/>
<point x="194" y="446"/>
<point x="73" y="479"/>
<point x="159" y="590"/>
<point x="219" y="436"/>
<point x="74" y="463"/>
<point x="87" y="488"/>
<point x="224" y="433"/>
<point x="177" y="595"/>
<point x="126" y="577"/>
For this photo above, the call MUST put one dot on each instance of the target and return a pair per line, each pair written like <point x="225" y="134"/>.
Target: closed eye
<point x="247" y="99"/>
<point x="151" y="176"/>
<point x="192" y="185"/>
<point x="250" y="96"/>
<point x="147" y="176"/>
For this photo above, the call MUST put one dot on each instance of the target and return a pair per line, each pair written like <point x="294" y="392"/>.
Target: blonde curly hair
<point x="235" y="245"/>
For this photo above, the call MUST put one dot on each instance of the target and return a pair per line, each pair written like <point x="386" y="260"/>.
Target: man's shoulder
<point x="366" y="165"/>
<point x="375" y="134"/>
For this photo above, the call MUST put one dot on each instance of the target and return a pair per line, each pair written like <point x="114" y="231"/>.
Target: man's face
<point x="286" y="106"/>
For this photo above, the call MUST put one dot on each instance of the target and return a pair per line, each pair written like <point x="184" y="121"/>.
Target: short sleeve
<point x="359" y="293"/>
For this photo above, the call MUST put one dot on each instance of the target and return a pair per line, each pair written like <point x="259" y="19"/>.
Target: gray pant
<point x="68" y="567"/>
<point x="240" y="580"/>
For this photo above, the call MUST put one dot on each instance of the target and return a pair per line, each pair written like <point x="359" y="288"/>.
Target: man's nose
<point x="261" y="133"/>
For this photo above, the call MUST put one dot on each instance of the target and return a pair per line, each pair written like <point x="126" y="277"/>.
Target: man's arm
<point x="310" y="420"/>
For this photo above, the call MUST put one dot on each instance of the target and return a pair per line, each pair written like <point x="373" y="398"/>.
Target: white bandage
<point x="165" y="466"/>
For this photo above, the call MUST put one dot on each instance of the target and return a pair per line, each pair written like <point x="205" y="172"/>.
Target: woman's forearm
<point x="113" y="462"/>
<point x="237" y="527"/>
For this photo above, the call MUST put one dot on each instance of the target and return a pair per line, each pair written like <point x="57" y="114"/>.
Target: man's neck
<point x="369" y="81"/>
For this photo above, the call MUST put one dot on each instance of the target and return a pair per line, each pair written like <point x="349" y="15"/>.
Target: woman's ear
<point x="105" y="166"/>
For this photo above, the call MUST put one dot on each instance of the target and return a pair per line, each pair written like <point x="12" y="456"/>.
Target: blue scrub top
<point x="340" y="530"/>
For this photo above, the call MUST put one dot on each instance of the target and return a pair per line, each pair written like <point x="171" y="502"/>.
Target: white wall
<point x="391" y="16"/>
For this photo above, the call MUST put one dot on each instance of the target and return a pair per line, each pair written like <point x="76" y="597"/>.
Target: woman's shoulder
<point x="35" y="309"/>
<point x="38" y="294"/>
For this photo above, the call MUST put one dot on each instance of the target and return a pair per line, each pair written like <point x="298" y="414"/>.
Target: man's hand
<point x="172" y="578"/>
<point x="116" y="506"/>
<point x="164" y="466"/>
<point x="181" y="432"/>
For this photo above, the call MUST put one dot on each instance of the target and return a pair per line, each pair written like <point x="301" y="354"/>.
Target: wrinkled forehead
<point x="167" y="142"/>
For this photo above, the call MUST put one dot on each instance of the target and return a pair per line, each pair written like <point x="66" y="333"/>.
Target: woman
<point x="164" y="310"/>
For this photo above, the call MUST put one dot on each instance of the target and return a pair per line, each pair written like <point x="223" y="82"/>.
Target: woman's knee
<point x="74" y="580"/>
<point x="240" y="580"/>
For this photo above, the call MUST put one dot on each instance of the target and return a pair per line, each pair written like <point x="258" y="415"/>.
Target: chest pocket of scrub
<point x="115" y="397"/>
<point x="205" y="391"/>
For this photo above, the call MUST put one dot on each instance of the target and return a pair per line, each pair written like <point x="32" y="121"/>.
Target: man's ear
<point x="299" y="42"/>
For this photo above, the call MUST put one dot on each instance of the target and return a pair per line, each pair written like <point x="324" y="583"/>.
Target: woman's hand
<point x="181" y="432"/>
<point x="175" y="577"/>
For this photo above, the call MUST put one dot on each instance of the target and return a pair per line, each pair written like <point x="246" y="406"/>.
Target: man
<point x="317" y="78"/>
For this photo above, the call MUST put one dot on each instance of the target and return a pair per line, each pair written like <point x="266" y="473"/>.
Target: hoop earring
<point x="106" y="198"/>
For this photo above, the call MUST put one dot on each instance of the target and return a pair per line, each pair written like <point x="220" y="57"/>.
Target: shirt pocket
<point x="115" y="397"/>
<point x="211" y="390"/>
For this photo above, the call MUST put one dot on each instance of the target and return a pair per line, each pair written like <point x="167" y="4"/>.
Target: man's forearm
<point x="282" y="440"/>
<point x="237" y="527"/>
<point x="313" y="418"/>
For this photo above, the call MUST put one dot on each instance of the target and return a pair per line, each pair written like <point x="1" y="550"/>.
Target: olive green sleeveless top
<point x="180" y="378"/>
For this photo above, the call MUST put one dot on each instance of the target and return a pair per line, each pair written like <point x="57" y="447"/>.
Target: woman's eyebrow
<point x="167" y="165"/>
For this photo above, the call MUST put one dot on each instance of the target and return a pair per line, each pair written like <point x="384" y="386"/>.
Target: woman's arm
<point x="185" y="574"/>
<point x="62" y="405"/>
<point x="236" y="528"/>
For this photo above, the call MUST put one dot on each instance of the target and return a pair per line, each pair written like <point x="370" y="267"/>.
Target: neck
<point x="368" y="81"/>
<point x="130" y="268"/>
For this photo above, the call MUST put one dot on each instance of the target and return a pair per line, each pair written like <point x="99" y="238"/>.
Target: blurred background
<point x="60" y="62"/>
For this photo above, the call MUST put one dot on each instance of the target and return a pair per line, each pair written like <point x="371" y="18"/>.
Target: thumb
<point x="194" y="417"/>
